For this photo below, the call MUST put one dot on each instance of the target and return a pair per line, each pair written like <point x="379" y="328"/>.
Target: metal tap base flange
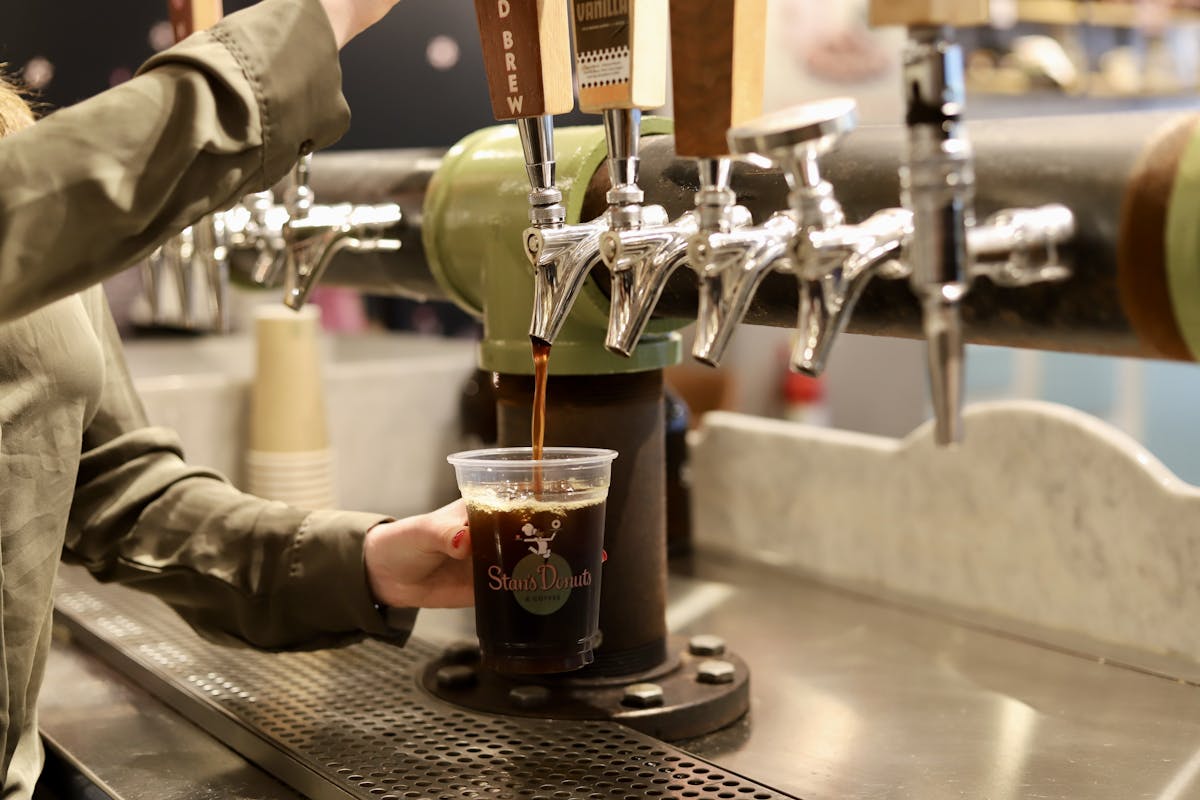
<point x="701" y="688"/>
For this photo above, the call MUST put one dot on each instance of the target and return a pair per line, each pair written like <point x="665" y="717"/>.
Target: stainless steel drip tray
<point x="353" y="722"/>
<point x="853" y="698"/>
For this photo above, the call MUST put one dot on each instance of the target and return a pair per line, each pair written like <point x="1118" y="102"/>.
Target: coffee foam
<point x="505" y="499"/>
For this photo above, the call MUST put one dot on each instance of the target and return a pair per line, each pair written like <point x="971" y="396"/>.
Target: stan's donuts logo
<point x="542" y="581"/>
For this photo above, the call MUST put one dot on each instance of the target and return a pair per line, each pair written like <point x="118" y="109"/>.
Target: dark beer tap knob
<point x="717" y="75"/>
<point x="527" y="57"/>
<point x="717" y="62"/>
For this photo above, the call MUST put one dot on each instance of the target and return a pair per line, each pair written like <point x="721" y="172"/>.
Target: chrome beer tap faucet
<point x="732" y="266"/>
<point x="638" y="244"/>
<point x="697" y="239"/>
<point x="937" y="181"/>
<point x="621" y="62"/>
<point x="195" y="258"/>
<point x="530" y="85"/>
<point x="831" y="260"/>
<point x="262" y="231"/>
<point x="197" y="254"/>
<point x="563" y="255"/>
<point x="552" y="246"/>
<point x="641" y="261"/>
<point x="314" y="234"/>
<point x="717" y="72"/>
<point x="209" y="245"/>
<point x="834" y="260"/>
<point x="938" y="185"/>
<point x="298" y="200"/>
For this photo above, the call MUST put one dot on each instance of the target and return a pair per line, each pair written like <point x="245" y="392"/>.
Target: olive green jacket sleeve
<point x="273" y="575"/>
<point x="94" y="187"/>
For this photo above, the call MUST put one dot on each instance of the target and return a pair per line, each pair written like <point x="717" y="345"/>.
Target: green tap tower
<point x="504" y="237"/>
<point x="476" y="252"/>
<point x="514" y="182"/>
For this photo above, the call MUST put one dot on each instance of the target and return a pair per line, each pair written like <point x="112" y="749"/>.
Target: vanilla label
<point x="602" y="42"/>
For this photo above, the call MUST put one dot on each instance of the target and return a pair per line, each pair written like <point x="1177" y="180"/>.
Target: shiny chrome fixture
<point x="195" y="265"/>
<point x="564" y="255"/>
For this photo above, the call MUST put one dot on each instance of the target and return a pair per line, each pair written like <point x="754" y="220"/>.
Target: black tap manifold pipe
<point x="1117" y="184"/>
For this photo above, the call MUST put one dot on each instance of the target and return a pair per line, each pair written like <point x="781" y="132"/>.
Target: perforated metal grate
<point x="353" y="722"/>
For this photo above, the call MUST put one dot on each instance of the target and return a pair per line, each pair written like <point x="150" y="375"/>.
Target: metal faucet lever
<point x="622" y="129"/>
<point x="932" y="241"/>
<point x="717" y="69"/>
<point x="832" y="261"/>
<point x="562" y="258"/>
<point x="1019" y="246"/>
<point x="732" y="266"/>
<point x="938" y="185"/>
<point x="642" y="260"/>
<point x="564" y="255"/>
<point x="557" y="278"/>
<point x="196" y="257"/>
<point x="842" y="262"/>
<point x="314" y="234"/>
<point x="263" y="235"/>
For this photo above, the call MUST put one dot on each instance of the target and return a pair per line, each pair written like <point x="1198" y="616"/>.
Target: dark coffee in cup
<point x="537" y="541"/>
<point x="537" y="575"/>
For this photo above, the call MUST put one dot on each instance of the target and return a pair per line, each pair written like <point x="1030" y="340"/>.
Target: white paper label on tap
<point x="603" y="67"/>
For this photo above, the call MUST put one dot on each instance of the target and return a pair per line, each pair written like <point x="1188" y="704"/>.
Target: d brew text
<point x="516" y="100"/>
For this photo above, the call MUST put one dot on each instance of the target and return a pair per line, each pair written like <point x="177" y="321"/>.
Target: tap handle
<point x="717" y="67"/>
<point x="527" y="56"/>
<point x="189" y="16"/>
<point x="797" y="137"/>
<point x="620" y="54"/>
<point x="811" y="127"/>
<point x="958" y="13"/>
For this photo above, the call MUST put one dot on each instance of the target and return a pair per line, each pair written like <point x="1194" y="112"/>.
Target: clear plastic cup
<point x="537" y="542"/>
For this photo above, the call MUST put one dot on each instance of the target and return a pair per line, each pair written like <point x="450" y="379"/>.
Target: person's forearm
<point x="272" y="575"/>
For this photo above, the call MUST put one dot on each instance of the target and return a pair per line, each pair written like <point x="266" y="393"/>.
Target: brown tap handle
<point x="957" y="13"/>
<point x="717" y="71"/>
<point x="527" y="56"/>
<point x="189" y="16"/>
<point x="620" y="53"/>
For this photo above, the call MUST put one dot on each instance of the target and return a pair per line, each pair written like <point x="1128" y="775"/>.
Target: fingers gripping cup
<point x="537" y="538"/>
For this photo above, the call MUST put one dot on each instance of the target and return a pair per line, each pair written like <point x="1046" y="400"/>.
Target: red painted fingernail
<point x="458" y="537"/>
<point x="603" y="556"/>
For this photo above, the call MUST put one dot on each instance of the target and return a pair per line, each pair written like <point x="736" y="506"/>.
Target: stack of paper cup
<point x="289" y="457"/>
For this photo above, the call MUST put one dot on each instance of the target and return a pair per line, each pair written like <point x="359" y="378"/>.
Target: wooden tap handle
<point x="620" y="53"/>
<point x="527" y="56"/>
<point x="717" y="49"/>
<point x="189" y="16"/>
<point x="958" y="13"/>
